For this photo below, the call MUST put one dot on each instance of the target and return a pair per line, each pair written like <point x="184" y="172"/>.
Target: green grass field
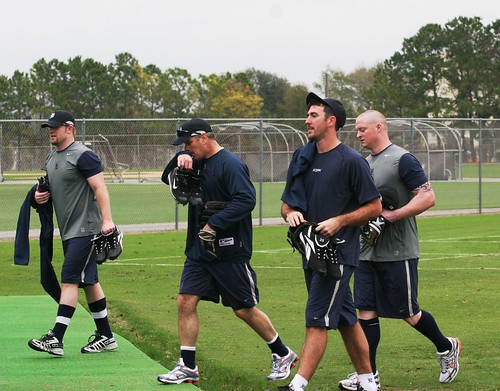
<point x="152" y="203"/>
<point x="488" y="170"/>
<point x="459" y="285"/>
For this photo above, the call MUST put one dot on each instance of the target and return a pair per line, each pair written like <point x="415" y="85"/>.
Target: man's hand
<point x="42" y="197"/>
<point x="185" y="161"/>
<point x="107" y="227"/>
<point x="207" y="236"/>
<point x="329" y="227"/>
<point x="294" y="218"/>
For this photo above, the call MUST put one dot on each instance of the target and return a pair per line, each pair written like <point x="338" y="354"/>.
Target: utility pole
<point x="326" y="84"/>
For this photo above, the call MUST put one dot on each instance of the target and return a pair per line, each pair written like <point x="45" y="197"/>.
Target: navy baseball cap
<point x="58" y="118"/>
<point x="335" y="105"/>
<point x="193" y="127"/>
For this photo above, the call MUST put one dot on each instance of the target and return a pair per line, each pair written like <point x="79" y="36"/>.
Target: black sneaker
<point x="115" y="243"/>
<point x="101" y="248"/>
<point x="47" y="343"/>
<point x="99" y="344"/>
<point x="195" y="193"/>
<point x="178" y="180"/>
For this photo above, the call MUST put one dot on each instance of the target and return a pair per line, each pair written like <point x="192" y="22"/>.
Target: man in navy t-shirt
<point x="329" y="183"/>
<point x="224" y="271"/>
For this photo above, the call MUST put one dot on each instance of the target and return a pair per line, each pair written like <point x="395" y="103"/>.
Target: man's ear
<point x="332" y="121"/>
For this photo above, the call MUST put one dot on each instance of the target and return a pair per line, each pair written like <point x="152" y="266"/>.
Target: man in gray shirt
<point x="81" y="202"/>
<point x="385" y="283"/>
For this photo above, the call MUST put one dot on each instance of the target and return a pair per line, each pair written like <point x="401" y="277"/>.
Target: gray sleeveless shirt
<point x="74" y="201"/>
<point x="399" y="240"/>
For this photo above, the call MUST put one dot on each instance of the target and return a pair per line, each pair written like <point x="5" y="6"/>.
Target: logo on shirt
<point x="316" y="169"/>
<point x="226" y="242"/>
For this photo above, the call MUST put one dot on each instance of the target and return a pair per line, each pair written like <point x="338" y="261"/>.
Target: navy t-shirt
<point x="337" y="182"/>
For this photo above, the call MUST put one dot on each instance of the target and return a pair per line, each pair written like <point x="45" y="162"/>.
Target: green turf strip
<point x="21" y="368"/>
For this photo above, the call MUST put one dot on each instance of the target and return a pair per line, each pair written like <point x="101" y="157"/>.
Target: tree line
<point x="442" y="71"/>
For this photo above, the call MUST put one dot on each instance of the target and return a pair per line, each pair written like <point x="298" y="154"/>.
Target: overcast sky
<point x="295" y="39"/>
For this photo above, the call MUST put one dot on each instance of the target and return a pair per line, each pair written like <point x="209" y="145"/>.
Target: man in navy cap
<point x="81" y="202"/>
<point x="218" y="250"/>
<point x="330" y="184"/>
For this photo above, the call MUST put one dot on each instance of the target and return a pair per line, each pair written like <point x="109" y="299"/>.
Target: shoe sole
<point x="189" y="381"/>
<point x="56" y="352"/>
<point x="352" y="388"/>
<point x="342" y="387"/>
<point x="109" y="348"/>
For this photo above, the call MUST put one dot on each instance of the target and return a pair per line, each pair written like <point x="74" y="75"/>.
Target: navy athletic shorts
<point x="234" y="282"/>
<point x="79" y="265"/>
<point x="389" y="288"/>
<point x="329" y="303"/>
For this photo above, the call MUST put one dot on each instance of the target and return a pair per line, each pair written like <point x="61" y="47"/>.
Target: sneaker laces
<point x="96" y="336"/>
<point x="100" y="245"/>
<point x="47" y="336"/>
<point x="183" y="369"/>
<point x="275" y="363"/>
<point x="445" y="360"/>
<point x="113" y="240"/>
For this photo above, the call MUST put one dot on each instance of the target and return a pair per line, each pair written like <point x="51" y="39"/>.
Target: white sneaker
<point x="352" y="382"/>
<point x="180" y="374"/>
<point x="47" y="343"/>
<point x="281" y="366"/>
<point x="99" y="344"/>
<point x="449" y="361"/>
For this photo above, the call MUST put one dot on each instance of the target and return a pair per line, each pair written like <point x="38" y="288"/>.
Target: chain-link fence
<point x="458" y="155"/>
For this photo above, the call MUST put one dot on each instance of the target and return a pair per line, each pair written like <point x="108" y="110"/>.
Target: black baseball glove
<point x="108" y="246"/>
<point x="390" y="198"/>
<point x="208" y="238"/>
<point x="43" y="184"/>
<point x="209" y="209"/>
<point x="319" y="251"/>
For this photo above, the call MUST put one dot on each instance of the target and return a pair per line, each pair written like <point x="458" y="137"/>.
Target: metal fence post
<point x="261" y="168"/>
<point x="83" y="132"/>
<point x="479" y="165"/>
<point x="1" y="152"/>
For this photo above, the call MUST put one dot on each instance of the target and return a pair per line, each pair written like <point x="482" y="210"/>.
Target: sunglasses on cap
<point x="189" y="133"/>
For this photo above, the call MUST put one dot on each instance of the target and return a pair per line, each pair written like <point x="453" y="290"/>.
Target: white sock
<point x="298" y="383"/>
<point x="367" y="381"/>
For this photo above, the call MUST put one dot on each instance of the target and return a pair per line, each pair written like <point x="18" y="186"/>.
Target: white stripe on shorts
<point x="408" y="284"/>
<point x="252" y="283"/>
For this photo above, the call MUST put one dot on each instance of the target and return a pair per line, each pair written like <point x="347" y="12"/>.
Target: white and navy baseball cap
<point x="58" y="118"/>
<point x="191" y="128"/>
